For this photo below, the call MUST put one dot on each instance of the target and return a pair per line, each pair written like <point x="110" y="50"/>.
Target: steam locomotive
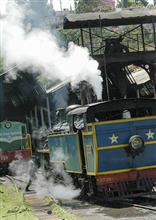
<point x="15" y="143"/>
<point x="109" y="148"/>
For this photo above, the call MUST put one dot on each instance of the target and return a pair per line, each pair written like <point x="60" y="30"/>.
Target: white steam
<point x="3" y="5"/>
<point x="50" y="186"/>
<point x="55" y="183"/>
<point x="23" y="170"/>
<point x="38" y="51"/>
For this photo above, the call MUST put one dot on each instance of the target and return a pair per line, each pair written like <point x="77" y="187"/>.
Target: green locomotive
<point x="15" y="142"/>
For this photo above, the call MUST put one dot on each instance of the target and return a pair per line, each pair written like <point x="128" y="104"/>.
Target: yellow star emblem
<point x="150" y="135"/>
<point x="114" y="139"/>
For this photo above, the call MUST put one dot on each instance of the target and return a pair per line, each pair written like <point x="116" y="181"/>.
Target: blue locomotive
<point x="108" y="147"/>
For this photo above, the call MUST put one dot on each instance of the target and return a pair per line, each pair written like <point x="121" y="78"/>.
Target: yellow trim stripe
<point x="95" y="158"/>
<point x="91" y="173"/>
<point x="121" y="146"/>
<point x="146" y="167"/>
<point x="115" y="171"/>
<point x="88" y="133"/>
<point x="95" y="151"/>
<point x="112" y="147"/>
<point x="122" y="120"/>
<point x="71" y="171"/>
<point x="150" y="142"/>
<point x="126" y="170"/>
<point x="43" y="151"/>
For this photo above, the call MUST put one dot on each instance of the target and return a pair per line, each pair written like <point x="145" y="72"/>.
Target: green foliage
<point x="69" y="36"/>
<point x="131" y="3"/>
<point x="83" y="6"/>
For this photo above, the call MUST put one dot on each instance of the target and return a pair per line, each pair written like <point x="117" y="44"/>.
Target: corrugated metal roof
<point x="115" y="18"/>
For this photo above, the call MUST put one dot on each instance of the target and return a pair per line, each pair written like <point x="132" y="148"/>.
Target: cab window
<point x="78" y="122"/>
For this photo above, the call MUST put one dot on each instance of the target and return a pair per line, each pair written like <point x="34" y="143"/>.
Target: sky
<point x="65" y="4"/>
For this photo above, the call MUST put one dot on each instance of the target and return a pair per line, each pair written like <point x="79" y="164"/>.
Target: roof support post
<point x="105" y="65"/>
<point x="31" y="120"/>
<point x="42" y="116"/>
<point x="82" y="39"/>
<point x="143" y="39"/>
<point x="154" y="34"/>
<point x="48" y="112"/>
<point x="90" y="37"/>
<point x="36" y="117"/>
<point x="2" y="105"/>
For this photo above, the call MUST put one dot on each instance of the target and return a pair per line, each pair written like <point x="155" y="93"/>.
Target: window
<point x="78" y="121"/>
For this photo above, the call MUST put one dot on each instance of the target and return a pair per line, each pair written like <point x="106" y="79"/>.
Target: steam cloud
<point x="45" y="183"/>
<point x="49" y="187"/>
<point x="38" y="51"/>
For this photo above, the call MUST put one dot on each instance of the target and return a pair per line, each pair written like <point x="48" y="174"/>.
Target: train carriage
<point x="15" y="142"/>
<point x="111" y="146"/>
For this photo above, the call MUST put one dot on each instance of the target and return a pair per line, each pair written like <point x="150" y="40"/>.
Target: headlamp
<point x="136" y="144"/>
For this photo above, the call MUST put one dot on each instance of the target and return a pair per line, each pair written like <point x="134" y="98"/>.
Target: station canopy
<point x="115" y="18"/>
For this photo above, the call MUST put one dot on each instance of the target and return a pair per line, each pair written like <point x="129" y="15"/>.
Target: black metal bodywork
<point x="111" y="110"/>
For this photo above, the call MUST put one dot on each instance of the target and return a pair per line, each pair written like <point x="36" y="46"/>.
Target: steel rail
<point x="13" y="182"/>
<point x="138" y="206"/>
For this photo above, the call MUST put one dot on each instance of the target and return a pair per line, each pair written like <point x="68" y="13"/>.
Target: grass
<point x="13" y="206"/>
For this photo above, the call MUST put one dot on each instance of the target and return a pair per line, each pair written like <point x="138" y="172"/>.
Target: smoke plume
<point x="38" y="51"/>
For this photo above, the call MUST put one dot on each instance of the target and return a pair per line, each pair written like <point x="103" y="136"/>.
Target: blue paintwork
<point x="65" y="148"/>
<point x="113" y="159"/>
<point x="124" y="130"/>
<point x="110" y="159"/>
<point x="117" y="158"/>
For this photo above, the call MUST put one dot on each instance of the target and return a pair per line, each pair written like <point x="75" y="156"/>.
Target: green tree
<point x="131" y="3"/>
<point x="67" y="36"/>
<point x="94" y="5"/>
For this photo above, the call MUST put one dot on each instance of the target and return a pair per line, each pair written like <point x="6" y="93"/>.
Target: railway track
<point x="142" y="202"/>
<point x="44" y="208"/>
<point x="138" y="205"/>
